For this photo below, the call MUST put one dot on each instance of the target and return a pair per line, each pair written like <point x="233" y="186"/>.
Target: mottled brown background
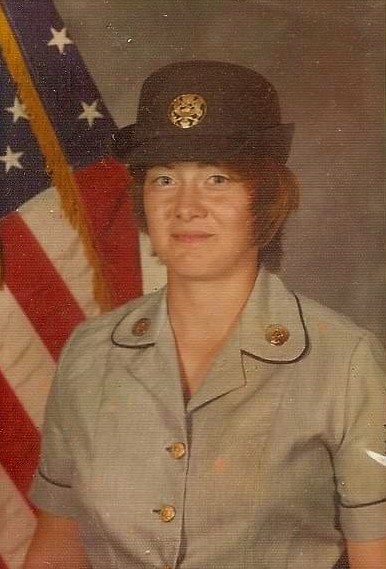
<point x="326" y="58"/>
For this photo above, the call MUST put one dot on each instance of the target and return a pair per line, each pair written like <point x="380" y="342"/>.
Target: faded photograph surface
<point x="192" y="303"/>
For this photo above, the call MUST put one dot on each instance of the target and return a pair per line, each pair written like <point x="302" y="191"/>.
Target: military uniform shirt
<point x="279" y="453"/>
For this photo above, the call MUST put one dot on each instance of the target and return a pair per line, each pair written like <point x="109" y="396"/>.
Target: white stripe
<point x="24" y="359"/>
<point x="46" y="220"/>
<point x="20" y="522"/>
<point x="153" y="272"/>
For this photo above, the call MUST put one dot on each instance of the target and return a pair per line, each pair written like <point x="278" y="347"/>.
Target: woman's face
<point x="199" y="220"/>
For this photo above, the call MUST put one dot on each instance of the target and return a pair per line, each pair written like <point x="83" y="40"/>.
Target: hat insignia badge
<point x="187" y="110"/>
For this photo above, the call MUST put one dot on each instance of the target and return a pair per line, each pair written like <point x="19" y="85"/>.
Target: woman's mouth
<point x="191" y="236"/>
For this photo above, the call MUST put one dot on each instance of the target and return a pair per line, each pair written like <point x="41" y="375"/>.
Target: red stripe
<point x="112" y="226"/>
<point x="19" y="440"/>
<point x="36" y="285"/>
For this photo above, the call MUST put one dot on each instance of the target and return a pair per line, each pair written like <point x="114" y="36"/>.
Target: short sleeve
<point x="51" y="488"/>
<point x="360" y="462"/>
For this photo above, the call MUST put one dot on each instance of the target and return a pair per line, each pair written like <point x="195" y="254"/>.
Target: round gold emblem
<point x="141" y="326"/>
<point x="276" y="334"/>
<point x="187" y="110"/>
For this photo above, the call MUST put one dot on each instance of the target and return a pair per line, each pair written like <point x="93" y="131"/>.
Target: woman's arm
<point x="367" y="554"/>
<point x="56" y="545"/>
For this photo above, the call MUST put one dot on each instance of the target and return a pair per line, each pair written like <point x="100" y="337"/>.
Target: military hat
<point x="204" y="111"/>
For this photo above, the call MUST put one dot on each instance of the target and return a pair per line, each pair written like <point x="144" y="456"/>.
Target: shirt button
<point x="167" y="513"/>
<point x="177" y="450"/>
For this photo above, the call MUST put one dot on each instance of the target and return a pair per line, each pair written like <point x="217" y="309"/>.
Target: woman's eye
<point x="163" y="181"/>
<point x="218" y="179"/>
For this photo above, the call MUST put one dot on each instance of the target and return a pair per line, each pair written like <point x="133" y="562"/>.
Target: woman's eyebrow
<point x="174" y="165"/>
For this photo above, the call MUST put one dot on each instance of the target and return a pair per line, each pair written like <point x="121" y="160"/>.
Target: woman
<point x="223" y="422"/>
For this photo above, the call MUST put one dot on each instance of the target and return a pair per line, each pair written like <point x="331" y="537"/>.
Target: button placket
<point x="168" y="512"/>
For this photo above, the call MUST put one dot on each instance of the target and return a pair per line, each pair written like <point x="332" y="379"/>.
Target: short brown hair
<point x="275" y="194"/>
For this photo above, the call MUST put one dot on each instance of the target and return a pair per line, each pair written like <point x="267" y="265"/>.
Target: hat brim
<point x="274" y="142"/>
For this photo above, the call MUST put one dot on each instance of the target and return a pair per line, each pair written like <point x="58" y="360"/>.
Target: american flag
<point x="69" y="246"/>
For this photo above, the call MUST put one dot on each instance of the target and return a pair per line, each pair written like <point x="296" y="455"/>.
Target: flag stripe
<point x="20" y="440"/>
<point x="38" y="288"/>
<point x="24" y="359"/>
<point x="112" y="227"/>
<point x="21" y="522"/>
<point x="44" y="217"/>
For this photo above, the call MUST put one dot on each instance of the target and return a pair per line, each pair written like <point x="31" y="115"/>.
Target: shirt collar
<point x="272" y="328"/>
<point x="271" y="325"/>
<point x="142" y="326"/>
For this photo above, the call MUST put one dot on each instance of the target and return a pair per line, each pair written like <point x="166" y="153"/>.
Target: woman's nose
<point x="189" y="203"/>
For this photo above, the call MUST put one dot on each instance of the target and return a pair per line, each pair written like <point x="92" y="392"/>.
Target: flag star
<point x="11" y="159"/>
<point x="90" y="113"/>
<point x="18" y="110"/>
<point x="59" y="39"/>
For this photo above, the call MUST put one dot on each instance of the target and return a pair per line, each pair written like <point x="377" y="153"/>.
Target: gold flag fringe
<point x="56" y="164"/>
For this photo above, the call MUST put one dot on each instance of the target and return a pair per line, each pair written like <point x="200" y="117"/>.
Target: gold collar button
<point x="276" y="334"/>
<point x="141" y="326"/>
